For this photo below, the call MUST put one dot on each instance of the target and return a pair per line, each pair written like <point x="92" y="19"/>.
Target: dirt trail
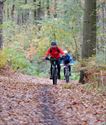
<point x="47" y="100"/>
<point x="26" y="100"/>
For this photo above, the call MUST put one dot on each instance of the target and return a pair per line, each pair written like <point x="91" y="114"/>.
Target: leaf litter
<point x="27" y="100"/>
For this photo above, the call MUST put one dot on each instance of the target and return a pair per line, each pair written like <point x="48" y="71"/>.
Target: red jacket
<point x="54" y="52"/>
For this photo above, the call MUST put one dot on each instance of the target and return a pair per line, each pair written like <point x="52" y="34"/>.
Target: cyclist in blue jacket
<point x="68" y="59"/>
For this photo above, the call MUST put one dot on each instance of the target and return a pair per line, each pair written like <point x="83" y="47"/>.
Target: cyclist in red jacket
<point x="54" y="52"/>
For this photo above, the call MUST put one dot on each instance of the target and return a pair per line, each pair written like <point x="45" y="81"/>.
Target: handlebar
<point x="54" y="59"/>
<point x="64" y="65"/>
<point x="51" y="59"/>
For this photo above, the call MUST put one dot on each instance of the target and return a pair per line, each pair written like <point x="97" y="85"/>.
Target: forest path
<point x="47" y="101"/>
<point x="26" y="100"/>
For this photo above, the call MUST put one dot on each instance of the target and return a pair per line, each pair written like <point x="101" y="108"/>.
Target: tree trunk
<point x="19" y="17"/>
<point x="89" y="29"/>
<point x="1" y="22"/>
<point x="12" y="12"/>
<point x="38" y="12"/>
<point x="25" y="14"/>
<point x="48" y="8"/>
<point x="55" y="9"/>
<point x="34" y="1"/>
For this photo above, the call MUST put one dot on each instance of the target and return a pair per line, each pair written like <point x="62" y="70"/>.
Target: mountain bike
<point x="54" y="70"/>
<point x="67" y="73"/>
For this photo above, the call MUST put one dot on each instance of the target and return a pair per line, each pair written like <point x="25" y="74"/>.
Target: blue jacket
<point x="68" y="59"/>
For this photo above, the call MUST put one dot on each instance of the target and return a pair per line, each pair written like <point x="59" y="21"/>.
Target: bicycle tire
<point x="67" y="78"/>
<point x="54" y="76"/>
<point x="67" y="75"/>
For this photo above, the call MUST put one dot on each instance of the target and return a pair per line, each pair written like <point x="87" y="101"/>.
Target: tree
<point x="89" y="29"/>
<point x="1" y="22"/>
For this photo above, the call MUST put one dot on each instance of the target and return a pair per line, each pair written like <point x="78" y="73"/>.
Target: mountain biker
<point x="67" y="59"/>
<point x="54" y="52"/>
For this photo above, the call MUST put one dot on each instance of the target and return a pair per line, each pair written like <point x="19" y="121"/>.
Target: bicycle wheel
<point x="54" y="76"/>
<point x="67" y="75"/>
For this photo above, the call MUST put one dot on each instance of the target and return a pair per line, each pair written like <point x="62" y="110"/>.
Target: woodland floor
<point x="27" y="100"/>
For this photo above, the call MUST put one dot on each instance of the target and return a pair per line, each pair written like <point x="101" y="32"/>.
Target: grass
<point x="95" y="87"/>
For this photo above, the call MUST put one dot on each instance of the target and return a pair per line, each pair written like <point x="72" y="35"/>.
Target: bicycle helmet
<point x="65" y="51"/>
<point x="53" y="43"/>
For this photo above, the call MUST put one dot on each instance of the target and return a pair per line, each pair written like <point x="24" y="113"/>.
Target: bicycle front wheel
<point x="67" y="75"/>
<point x="54" y="76"/>
<point x="67" y="78"/>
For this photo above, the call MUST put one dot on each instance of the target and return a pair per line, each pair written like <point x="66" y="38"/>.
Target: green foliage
<point x="3" y="58"/>
<point x="43" y="46"/>
<point x="27" y="6"/>
<point x="75" y="76"/>
<point x="16" y="59"/>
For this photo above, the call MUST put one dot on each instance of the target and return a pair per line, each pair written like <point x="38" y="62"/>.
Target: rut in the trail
<point x="47" y="101"/>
